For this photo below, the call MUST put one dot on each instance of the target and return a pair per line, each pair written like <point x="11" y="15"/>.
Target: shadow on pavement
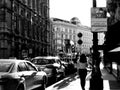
<point x="114" y="85"/>
<point x="66" y="81"/>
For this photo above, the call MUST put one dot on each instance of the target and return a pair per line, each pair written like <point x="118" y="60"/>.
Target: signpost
<point x="98" y="19"/>
<point x="98" y="24"/>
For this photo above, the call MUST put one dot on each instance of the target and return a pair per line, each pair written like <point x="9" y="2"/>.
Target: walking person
<point x="82" y="70"/>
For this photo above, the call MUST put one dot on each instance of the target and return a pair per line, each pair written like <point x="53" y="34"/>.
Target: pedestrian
<point x="82" y="70"/>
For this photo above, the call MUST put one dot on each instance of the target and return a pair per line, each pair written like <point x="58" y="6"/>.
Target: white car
<point x="21" y="75"/>
<point x="52" y="66"/>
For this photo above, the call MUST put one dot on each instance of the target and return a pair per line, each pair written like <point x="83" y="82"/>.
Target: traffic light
<point x="79" y="36"/>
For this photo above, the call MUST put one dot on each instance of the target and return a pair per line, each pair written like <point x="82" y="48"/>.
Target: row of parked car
<point x="54" y="67"/>
<point x="34" y="74"/>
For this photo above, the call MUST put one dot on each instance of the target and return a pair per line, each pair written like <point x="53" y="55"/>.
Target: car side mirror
<point x="39" y="69"/>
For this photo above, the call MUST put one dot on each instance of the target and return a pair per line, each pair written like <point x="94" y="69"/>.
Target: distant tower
<point x="75" y="21"/>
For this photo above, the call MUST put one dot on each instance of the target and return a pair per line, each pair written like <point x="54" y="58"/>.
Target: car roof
<point x="39" y="57"/>
<point x="13" y="60"/>
<point x="46" y="57"/>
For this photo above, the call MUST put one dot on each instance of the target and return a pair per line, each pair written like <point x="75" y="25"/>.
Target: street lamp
<point x="96" y="82"/>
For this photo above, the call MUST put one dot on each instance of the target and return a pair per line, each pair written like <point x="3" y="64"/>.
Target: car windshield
<point x="5" y="66"/>
<point x="43" y="61"/>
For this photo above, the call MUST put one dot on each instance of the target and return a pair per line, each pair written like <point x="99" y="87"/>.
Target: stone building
<point x="67" y="31"/>
<point x="24" y="28"/>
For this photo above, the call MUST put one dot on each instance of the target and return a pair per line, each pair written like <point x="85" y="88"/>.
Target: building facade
<point x="24" y="28"/>
<point x="67" y="30"/>
<point x="87" y="37"/>
<point x="63" y="30"/>
<point x="52" y="42"/>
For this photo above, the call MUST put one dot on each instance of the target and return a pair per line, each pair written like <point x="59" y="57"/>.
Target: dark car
<point x="69" y="66"/>
<point x="21" y="75"/>
<point x="52" y="66"/>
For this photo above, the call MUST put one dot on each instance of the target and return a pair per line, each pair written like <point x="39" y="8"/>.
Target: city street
<point x="69" y="83"/>
<point x="73" y="83"/>
<point x="44" y="42"/>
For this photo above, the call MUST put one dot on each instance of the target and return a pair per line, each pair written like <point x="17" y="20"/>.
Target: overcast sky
<point x="67" y="9"/>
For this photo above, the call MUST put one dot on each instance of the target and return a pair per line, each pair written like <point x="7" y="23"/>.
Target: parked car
<point x="21" y="75"/>
<point x="69" y="66"/>
<point x="64" y="63"/>
<point x="51" y="65"/>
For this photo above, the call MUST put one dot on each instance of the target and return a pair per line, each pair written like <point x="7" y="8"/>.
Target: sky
<point x="67" y="9"/>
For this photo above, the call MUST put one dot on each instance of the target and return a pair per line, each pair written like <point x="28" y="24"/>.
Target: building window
<point x="70" y="37"/>
<point x="66" y="36"/>
<point x="22" y="13"/>
<point x="33" y="4"/>
<point x="29" y="3"/>
<point x="15" y="24"/>
<point x="70" y="31"/>
<point x="15" y="8"/>
<point x="28" y="15"/>
<point x="66" y="30"/>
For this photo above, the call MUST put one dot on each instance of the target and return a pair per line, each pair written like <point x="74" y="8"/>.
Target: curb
<point x="113" y="73"/>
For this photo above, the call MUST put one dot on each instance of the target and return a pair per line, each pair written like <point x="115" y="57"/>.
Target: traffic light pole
<point x="96" y="82"/>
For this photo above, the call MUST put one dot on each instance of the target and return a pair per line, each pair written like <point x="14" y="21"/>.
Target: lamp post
<point x="96" y="82"/>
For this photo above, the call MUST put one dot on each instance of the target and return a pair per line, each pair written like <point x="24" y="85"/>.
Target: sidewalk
<point x="73" y="82"/>
<point x="109" y="80"/>
<point x="114" y="70"/>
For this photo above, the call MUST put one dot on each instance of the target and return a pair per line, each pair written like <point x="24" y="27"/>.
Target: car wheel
<point x="20" y="88"/>
<point x="63" y="75"/>
<point x="54" y="75"/>
<point x="44" y="84"/>
<point x="55" y="79"/>
<point x="43" y="87"/>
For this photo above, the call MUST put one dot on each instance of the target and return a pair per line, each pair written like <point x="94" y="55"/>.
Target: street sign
<point x="98" y="19"/>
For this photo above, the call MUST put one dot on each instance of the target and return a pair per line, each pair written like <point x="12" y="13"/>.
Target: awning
<point x="115" y="50"/>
